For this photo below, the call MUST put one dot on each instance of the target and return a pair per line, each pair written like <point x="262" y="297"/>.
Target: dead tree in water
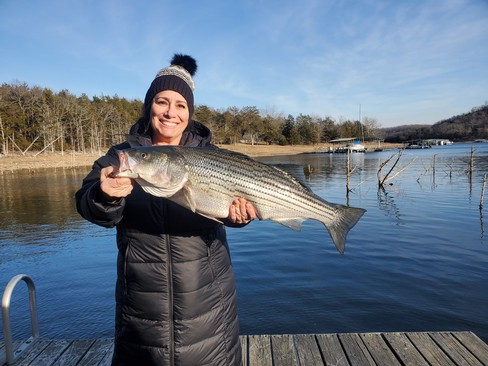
<point x="2" y="137"/>
<point x="389" y="176"/>
<point x="350" y="170"/>
<point x="471" y="165"/>
<point x="481" y="205"/>
<point x="482" y="192"/>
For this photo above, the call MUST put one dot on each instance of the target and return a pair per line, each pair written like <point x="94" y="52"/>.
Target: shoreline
<point x="16" y="161"/>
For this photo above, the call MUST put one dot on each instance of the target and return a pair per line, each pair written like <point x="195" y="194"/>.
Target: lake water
<point x="416" y="261"/>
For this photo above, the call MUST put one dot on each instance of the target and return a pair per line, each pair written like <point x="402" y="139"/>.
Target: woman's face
<point x="169" y="117"/>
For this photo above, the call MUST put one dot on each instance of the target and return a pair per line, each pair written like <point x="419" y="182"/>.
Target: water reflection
<point x="430" y="169"/>
<point x="481" y="224"/>
<point x="416" y="257"/>
<point x="37" y="209"/>
<point x="386" y="203"/>
<point x="39" y="197"/>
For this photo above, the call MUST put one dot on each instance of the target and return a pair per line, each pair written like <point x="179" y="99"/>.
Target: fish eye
<point x="143" y="155"/>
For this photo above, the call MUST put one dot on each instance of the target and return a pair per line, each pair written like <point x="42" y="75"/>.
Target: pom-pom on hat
<point x="176" y="77"/>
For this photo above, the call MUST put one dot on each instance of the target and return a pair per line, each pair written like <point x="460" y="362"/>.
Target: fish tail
<point x="345" y="220"/>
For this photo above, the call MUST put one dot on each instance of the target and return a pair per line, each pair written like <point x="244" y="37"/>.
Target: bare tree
<point x="391" y="174"/>
<point x="2" y="131"/>
<point x="371" y="127"/>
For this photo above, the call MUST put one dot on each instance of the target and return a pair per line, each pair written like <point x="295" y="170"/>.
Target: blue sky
<point x="403" y="62"/>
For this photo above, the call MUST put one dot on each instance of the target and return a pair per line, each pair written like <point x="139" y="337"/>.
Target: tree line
<point x="35" y="118"/>
<point x="464" y="127"/>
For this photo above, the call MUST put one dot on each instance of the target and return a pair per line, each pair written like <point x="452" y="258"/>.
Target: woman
<point x="175" y="290"/>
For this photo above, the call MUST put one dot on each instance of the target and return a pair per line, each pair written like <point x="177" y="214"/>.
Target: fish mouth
<point x="124" y="168"/>
<point x="125" y="174"/>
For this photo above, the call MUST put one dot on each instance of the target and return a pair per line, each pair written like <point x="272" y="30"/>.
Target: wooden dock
<point x="390" y="349"/>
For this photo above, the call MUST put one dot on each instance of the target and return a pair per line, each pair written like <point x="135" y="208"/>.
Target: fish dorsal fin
<point x="292" y="178"/>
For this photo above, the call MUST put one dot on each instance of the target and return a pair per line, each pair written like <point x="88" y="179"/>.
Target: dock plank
<point x="97" y="352"/>
<point x="260" y="351"/>
<point x="429" y="349"/>
<point x="379" y="349"/>
<point x="27" y="357"/>
<point x="356" y="351"/>
<point x="308" y="350"/>
<point x="474" y="344"/>
<point x="343" y="349"/>
<point x="3" y="356"/>
<point x="244" y="347"/>
<point x="332" y="350"/>
<point x="74" y="352"/>
<point x="283" y="350"/>
<point x="455" y="350"/>
<point x="107" y="358"/>
<point x="405" y="350"/>
<point x="51" y="353"/>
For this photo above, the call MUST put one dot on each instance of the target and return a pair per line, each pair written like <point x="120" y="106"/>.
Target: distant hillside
<point x="465" y="127"/>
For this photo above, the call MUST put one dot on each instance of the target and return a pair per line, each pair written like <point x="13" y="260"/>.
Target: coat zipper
<point x="169" y="274"/>
<point x="169" y="267"/>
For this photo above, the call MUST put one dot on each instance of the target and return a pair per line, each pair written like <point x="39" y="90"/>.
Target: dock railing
<point x="7" y="330"/>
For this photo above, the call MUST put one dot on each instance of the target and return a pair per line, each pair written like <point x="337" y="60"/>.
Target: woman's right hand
<point x="114" y="188"/>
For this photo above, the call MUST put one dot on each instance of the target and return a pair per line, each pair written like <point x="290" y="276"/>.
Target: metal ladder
<point x="7" y="331"/>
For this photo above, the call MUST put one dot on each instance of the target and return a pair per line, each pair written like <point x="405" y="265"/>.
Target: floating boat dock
<point x="344" y="349"/>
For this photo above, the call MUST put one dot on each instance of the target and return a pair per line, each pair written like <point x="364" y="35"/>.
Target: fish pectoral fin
<point x="187" y="195"/>
<point x="295" y="223"/>
<point x="155" y="191"/>
<point x="184" y="197"/>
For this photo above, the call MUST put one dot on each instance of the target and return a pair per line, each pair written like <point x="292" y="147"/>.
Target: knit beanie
<point x="176" y="77"/>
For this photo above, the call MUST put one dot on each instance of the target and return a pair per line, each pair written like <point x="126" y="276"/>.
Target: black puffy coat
<point x="175" y="291"/>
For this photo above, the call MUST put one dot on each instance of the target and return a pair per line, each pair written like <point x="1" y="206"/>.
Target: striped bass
<point x="207" y="180"/>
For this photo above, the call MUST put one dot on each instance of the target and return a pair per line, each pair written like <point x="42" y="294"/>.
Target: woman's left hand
<point x="242" y="211"/>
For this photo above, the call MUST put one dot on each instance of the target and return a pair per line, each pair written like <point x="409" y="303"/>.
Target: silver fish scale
<point x="274" y="192"/>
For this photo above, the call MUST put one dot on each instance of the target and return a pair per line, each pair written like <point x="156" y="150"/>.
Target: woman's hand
<point x="242" y="211"/>
<point x="114" y="188"/>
